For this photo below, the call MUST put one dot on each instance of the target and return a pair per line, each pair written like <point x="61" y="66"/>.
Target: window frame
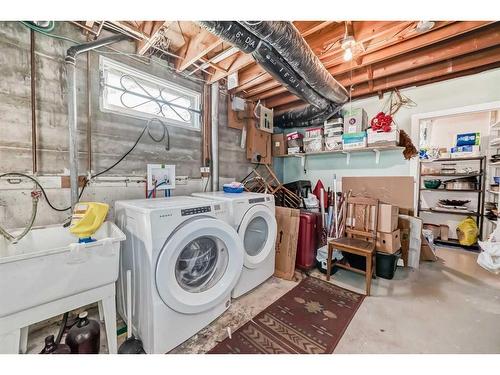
<point x="106" y="63"/>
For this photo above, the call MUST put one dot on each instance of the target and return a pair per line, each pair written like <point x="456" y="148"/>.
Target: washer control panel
<point x="256" y="200"/>
<point x="194" y="211"/>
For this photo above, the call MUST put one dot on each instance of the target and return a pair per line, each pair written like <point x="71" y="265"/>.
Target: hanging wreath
<point x="383" y="121"/>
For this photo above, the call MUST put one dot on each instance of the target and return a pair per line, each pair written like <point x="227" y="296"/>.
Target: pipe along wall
<point x="280" y="49"/>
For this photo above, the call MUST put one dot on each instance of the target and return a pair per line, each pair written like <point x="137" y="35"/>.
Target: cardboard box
<point x="375" y="138"/>
<point x="294" y="150"/>
<point x="286" y="242"/>
<point x="279" y="144"/>
<point x="353" y="140"/>
<point x="404" y="227"/>
<point x="355" y="120"/>
<point x="387" y="221"/>
<point x="388" y="242"/>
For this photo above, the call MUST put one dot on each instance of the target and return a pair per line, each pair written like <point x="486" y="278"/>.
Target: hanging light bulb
<point x="348" y="44"/>
<point x="348" y="54"/>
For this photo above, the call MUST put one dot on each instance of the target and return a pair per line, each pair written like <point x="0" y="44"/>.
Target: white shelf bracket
<point x="377" y="155"/>
<point x="347" y="157"/>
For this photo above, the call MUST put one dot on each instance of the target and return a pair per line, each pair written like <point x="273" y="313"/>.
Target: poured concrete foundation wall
<point x="112" y="134"/>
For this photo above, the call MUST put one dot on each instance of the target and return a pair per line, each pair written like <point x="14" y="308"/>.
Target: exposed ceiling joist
<point x="198" y="46"/>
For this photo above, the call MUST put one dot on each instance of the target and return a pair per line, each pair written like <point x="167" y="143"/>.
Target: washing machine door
<point x="257" y="230"/>
<point x="199" y="265"/>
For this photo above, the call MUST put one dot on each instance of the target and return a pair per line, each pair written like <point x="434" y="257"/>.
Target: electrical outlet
<point x="181" y="180"/>
<point x="205" y="169"/>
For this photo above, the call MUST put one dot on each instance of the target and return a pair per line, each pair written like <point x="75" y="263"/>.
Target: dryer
<point x="253" y="216"/>
<point x="185" y="261"/>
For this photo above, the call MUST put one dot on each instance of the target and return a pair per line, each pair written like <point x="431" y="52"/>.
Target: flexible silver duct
<point x="283" y="53"/>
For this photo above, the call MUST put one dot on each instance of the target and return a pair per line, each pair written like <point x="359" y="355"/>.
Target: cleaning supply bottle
<point x="52" y="348"/>
<point x="87" y="219"/>
<point x="84" y="337"/>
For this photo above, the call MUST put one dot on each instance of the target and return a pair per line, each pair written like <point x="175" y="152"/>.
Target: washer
<point x="185" y="261"/>
<point x="252" y="215"/>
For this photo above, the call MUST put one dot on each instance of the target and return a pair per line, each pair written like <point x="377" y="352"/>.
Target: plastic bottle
<point x="85" y="336"/>
<point x="52" y="348"/>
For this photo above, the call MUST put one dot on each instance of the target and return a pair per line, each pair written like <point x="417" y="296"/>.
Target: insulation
<point x="280" y="49"/>
<point x="286" y="40"/>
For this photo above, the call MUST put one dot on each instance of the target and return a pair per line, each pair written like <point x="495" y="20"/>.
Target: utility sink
<point x="48" y="264"/>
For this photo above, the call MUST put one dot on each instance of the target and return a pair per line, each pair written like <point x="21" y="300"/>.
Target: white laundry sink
<point x="48" y="264"/>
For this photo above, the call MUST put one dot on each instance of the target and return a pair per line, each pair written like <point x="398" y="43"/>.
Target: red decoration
<point x="382" y="122"/>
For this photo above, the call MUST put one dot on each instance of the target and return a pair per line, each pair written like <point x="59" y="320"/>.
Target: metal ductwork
<point x="280" y="49"/>
<point x="286" y="40"/>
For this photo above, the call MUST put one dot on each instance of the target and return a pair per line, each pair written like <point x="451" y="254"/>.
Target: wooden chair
<point x="361" y="235"/>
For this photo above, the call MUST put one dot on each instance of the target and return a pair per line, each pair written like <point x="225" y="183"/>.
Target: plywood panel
<point x="396" y="190"/>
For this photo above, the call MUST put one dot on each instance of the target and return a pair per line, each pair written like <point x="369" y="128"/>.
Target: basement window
<point x="129" y="91"/>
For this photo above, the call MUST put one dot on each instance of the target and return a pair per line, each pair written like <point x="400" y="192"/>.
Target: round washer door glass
<point x="201" y="264"/>
<point x="256" y="235"/>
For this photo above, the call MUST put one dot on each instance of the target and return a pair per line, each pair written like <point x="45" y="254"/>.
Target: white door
<point x="258" y="233"/>
<point x="199" y="265"/>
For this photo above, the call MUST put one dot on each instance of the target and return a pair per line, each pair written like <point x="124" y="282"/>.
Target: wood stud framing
<point x="391" y="54"/>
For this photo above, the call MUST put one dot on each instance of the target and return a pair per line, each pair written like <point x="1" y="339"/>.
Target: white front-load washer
<point x="253" y="216"/>
<point x="185" y="261"/>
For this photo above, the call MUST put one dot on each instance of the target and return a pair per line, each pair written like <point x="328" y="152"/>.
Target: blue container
<point x="230" y="189"/>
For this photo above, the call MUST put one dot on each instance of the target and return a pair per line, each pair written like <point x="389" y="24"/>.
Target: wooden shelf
<point x="434" y="211"/>
<point x="358" y="150"/>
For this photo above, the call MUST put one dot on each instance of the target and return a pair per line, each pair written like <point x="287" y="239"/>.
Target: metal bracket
<point x="348" y="157"/>
<point x="377" y="155"/>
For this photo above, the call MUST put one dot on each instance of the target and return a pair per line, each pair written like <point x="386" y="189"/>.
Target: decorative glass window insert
<point x="129" y="91"/>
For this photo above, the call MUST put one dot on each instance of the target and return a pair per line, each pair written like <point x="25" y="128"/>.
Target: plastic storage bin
<point x="387" y="264"/>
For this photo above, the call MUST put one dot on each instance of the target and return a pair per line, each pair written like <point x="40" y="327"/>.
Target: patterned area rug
<point x="309" y="319"/>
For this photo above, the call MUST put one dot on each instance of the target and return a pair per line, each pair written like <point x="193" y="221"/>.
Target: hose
<point x="34" y="196"/>
<point x="62" y="327"/>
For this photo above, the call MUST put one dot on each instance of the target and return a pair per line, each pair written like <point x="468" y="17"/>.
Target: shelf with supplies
<point x="373" y="149"/>
<point x="473" y="179"/>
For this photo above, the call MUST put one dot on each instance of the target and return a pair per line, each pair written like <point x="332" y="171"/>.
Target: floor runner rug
<point x="309" y="319"/>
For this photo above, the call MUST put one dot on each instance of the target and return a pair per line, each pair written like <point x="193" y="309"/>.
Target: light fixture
<point x="348" y="44"/>
<point x="423" y="26"/>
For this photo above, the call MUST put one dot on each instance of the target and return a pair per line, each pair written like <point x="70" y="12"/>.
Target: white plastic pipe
<point x="129" y="304"/>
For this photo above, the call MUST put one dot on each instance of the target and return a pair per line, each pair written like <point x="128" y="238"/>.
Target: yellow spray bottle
<point x="87" y="218"/>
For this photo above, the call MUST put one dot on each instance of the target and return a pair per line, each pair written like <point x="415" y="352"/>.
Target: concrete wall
<point x="112" y="134"/>
<point x="473" y="89"/>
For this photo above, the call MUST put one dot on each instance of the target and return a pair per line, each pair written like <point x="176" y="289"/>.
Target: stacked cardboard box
<point x="355" y="125"/>
<point x="388" y="234"/>
<point x="333" y="130"/>
<point x="313" y="141"/>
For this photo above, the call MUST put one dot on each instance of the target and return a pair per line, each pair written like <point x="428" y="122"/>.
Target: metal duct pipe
<point x="280" y="49"/>
<point x="264" y="54"/>
<point x="284" y="37"/>
<point x="71" y="55"/>
<point x="214" y="134"/>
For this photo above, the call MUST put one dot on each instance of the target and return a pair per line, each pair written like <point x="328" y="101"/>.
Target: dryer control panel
<point x="196" y="210"/>
<point x="256" y="200"/>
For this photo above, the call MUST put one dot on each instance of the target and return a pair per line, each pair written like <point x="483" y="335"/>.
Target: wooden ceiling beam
<point x="474" y="41"/>
<point x="442" y="70"/>
<point x="410" y="45"/>
<point x="152" y="30"/>
<point x="198" y="46"/>
<point x="307" y="28"/>
<point x="365" y="33"/>
<point x="231" y="65"/>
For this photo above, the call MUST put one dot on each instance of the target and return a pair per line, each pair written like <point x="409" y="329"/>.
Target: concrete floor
<point x="449" y="306"/>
